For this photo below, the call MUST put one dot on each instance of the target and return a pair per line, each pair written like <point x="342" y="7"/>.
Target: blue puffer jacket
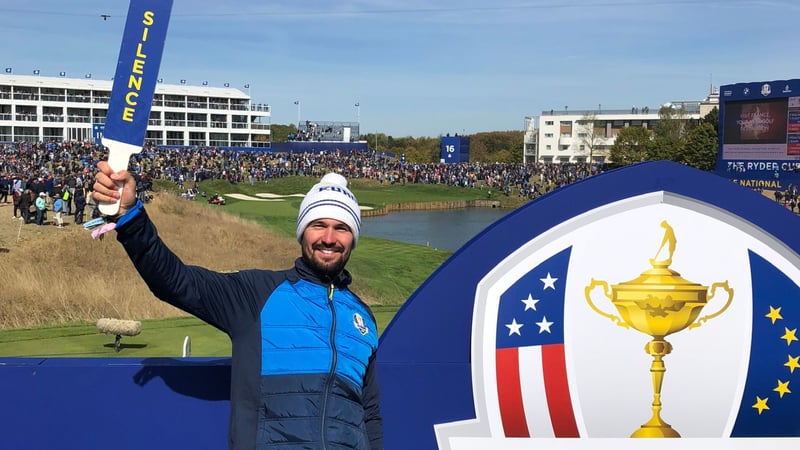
<point x="303" y="370"/>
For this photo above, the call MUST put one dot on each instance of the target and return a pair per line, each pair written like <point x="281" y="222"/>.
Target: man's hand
<point x="106" y="189"/>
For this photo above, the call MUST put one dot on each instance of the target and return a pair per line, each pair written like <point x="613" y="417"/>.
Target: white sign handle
<point x="119" y="155"/>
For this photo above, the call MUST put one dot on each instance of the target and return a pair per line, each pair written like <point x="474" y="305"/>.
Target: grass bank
<point x="58" y="282"/>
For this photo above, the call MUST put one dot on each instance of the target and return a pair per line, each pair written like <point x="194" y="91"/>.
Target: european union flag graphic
<point x="530" y="354"/>
<point x="771" y="396"/>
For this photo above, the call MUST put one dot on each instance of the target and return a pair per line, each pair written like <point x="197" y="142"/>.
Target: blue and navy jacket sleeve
<point x="223" y="300"/>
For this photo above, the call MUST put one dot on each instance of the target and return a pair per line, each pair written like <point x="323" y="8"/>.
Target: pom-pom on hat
<point x="330" y="199"/>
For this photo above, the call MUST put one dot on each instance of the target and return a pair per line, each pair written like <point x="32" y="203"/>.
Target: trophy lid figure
<point x="669" y="238"/>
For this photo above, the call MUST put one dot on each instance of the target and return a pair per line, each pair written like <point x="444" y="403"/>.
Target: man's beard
<point x="326" y="269"/>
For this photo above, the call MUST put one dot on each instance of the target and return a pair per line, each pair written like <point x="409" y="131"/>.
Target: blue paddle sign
<point x="134" y="83"/>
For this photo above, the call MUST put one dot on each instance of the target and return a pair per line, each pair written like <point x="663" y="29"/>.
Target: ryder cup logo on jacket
<point x="655" y="306"/>
<point x="360" y="324"/>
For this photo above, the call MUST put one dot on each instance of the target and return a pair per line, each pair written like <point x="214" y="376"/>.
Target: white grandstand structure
<point x="44" y="109"/>
<point x="312" y="130"/>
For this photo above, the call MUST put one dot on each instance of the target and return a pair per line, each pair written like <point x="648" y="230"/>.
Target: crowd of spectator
<point x="38" y="178"/>
<point x="789" y="197"/>
<point x="30" y="171"/>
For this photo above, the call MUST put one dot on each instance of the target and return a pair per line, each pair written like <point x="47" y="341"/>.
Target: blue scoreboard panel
<point x="759" y="133"/>
<point x="455" y="149"/>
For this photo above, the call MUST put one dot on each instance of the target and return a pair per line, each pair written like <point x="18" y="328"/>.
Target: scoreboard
<point x="759" y="133"/>
<point x="454" y="149"/>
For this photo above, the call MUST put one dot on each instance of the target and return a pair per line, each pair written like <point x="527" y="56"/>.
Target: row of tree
<point x="674" y="137"/>
<point x="495" y="146"/>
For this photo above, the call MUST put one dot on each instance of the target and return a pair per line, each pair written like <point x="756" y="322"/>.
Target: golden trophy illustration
<point x="659" y="302"/>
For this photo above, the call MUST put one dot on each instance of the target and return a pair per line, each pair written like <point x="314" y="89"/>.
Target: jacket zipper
<point x="329" y="380"/>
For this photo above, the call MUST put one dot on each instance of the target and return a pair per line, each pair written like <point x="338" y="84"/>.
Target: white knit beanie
<point x="330" y="199"/>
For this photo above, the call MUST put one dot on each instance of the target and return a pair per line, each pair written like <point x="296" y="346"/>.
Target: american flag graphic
<point x="771" y="398"/>
<point x="531" y="366"/>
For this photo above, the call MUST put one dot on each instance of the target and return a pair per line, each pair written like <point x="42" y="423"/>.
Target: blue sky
<point x="427" y="68"/>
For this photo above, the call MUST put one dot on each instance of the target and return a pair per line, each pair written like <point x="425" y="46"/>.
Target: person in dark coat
<point x="25" y="206"/>
<point x="80" y="205"/>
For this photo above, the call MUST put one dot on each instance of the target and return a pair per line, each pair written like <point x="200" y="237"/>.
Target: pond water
<point x="444" y="229"/>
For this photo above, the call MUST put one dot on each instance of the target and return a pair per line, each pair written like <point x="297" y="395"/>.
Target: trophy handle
<point x="588" y="292"/>
<point x="723" y="285"/>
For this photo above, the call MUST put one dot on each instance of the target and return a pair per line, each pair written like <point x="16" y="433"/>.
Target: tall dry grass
<point x="54" y="276"/>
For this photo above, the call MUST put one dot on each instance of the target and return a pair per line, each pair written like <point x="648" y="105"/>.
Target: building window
<point x="548" y="135"/>
<point x="549" y="147"/>
<point x="549" y="122"/>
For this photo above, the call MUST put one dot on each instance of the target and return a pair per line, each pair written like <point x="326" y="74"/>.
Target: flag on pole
<point x="227" y="85"/>
<point x="247" y="86"/>
<point x="8" y="69"/>
<point x="62" y="74"/>
<point x="205" y="83"/>
<point x="183" y="81"/>
<point x="36" y="71"/>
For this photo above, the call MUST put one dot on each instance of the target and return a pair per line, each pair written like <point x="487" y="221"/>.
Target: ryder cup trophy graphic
<point x="658" y="303"/>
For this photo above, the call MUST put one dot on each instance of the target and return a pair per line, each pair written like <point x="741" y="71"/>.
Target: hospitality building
<point x="575" y="136"/>
<point x="44" y="109"/>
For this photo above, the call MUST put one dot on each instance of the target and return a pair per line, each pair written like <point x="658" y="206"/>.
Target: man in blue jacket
<point x="303" y="345"/>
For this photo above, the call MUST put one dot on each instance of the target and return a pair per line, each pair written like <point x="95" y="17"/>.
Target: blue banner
<point x="137" y="70"/>
<point x="455" y="149"/>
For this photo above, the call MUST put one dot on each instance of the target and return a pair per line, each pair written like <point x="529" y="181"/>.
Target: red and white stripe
<point x="533" y="392"/>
